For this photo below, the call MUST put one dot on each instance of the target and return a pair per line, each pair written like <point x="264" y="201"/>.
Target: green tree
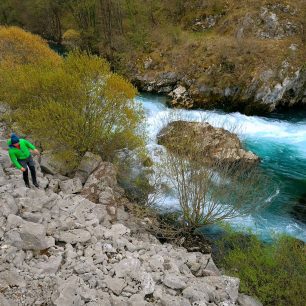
<point x="77" y="106"/>
<point x="8" y="14"/>
<point x="20" y="47"/>
<point x="83" y="16"/>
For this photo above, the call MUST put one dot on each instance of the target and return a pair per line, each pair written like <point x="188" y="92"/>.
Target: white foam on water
<point x="269" y="199"/>
<point x="278" y="131"/>
<point x="274" y="133"/>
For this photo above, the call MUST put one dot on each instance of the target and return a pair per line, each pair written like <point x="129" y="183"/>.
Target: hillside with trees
<point x="246" y="56"/>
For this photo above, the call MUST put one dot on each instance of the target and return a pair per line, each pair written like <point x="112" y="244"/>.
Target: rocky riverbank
<point x="258" y="97"/>
<point x="72" y="243"/>
<point x="243" y="57"/>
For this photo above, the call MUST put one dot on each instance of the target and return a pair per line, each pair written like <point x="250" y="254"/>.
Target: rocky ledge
<point x="205" y="141"/>
<point x="246" y="57"/>
<point x="259" y="97"/>
<point x="72" y="243"/>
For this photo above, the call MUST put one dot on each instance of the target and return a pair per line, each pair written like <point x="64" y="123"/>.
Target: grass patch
<point x="275" y="273"/>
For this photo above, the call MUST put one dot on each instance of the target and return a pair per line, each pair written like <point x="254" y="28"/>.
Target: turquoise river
<point x="280" y="142"/>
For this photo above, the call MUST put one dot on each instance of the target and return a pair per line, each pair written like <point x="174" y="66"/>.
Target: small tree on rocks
<point x="212" y="191"/>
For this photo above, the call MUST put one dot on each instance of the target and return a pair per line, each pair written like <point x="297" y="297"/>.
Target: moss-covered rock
<point x="204" y="141"/>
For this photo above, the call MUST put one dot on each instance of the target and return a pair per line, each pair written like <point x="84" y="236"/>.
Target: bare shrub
<point x="211" y="191"/>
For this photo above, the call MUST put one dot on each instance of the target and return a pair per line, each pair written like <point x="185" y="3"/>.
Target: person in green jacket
<point x="20" y="154"/>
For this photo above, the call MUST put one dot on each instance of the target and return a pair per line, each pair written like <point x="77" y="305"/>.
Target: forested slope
<point x="238" y="55"/>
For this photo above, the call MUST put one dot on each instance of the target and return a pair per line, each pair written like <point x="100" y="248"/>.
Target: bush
<point x="20" y="47"/>
<point x="77" y="106"/>
<point x="275" y="273"/>
<point x="72" y="39"/>
<point x="210" y="191"/>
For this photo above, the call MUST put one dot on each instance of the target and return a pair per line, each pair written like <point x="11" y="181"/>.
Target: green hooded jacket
<point x="22" y="153"/>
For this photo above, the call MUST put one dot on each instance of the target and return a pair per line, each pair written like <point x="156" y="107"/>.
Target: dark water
<point x="59" y="48"/>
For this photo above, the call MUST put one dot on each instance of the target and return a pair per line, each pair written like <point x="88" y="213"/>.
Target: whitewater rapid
<point x="281" y="145"/>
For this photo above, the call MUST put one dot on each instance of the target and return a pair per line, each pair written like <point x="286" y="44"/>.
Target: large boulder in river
<point x="204" y="141"/>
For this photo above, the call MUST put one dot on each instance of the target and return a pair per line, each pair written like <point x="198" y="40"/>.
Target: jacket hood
<point x="14" y="139"/>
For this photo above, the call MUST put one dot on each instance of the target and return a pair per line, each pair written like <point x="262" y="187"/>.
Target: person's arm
<point x="15" y="161"/>
<point x="29" y="145"/>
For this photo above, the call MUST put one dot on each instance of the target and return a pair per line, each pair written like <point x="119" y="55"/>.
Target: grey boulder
<point x="245" y="300"/>
<point x="28" y="236"/>
<point x="88" y="164"/>
<point x="71" y="186"/>
<point x="73" y="236"/>
<point x="51" y="165"/>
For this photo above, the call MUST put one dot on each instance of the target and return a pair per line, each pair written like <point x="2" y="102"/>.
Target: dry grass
<point x="216" y="57"/>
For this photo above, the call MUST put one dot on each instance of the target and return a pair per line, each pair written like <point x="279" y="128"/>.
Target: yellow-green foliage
<point x="77" y="106"/>
<point x="72" y="39"/>
<point x="230" y="53"/>
<point x="20" y="47"/>
<point x="275" y="273"/>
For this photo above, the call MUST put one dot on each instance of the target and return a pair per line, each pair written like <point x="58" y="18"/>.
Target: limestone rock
<point x="94" y="261"/>
<point x="8" y="205"/>
<point x="245" y="300"/>
<point x="208" y="267"/>
<point x="115" y="284"/>
<point x="68" y="293"/>
<point x="179" y="91"/>
<point x="180" y="98"/>
<point x="50" y="266"/>
<point x="226" y="286"/>
<point x="211" y="143"/>
<point x="118" y="300"/>
<point x="13" y="221"/>
<point x="54" y="185"/>
<point x="127" y="266"/>
<point x="174" y="281"/>
<point x="104" y="176"/>
<point x="71" y="186"/>
<point x="196" y="292"/>
<point x="73" y="236"/>
<point x="167" y="299"/>
<point x="5" y="160"/>
<point x="205" y="23"/>
<point x="29" y="236"/>
<point x="88" y="164"/>
<point x="99" y="180"/>
<point x="156" y="262"/>
<point x="116" y="231"/>
<point x="51" y="165"/>
<point x="6" y="302"/>
<point x="11" y="278"/>
<point x="137" y="300"/>
<point x="147" y="283"/>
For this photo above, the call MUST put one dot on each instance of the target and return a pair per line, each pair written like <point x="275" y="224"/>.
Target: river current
<point x="279" y="141"/>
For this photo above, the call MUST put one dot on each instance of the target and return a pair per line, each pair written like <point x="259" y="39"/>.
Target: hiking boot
<point x="27" y="185"/>
<point x="36" y="185"/>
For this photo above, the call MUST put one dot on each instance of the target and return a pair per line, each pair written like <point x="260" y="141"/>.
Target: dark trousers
<point x="28" y="163"/>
